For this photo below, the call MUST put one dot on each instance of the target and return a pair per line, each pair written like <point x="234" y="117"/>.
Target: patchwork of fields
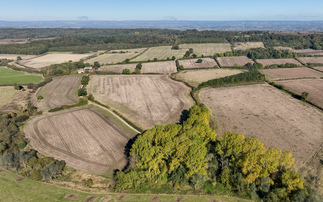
<point x="11" y="77"/>
<point x="281" y="121"/>
<point x="61" y="91"/>
<point x="145" y="100"/>
<point x="85" y="138"/>
<point x="234" y="61"/>
<point x="207" y="49"/>
<point x="291" y="73"/>
<point x="193" y="64"/>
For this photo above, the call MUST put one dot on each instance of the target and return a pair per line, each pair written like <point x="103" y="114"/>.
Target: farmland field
<point x="247" y="45"/>
<point x="266" y="113"/>
<point x="117" y="68"/>
<point x="159" y="67"/>
<point x="17" y="102"/>
<point x="9" y="76"/>
<point x="6" y="94"/>
<point x="318" y="68"/>
<point x="291" y="73"/>
<point x="85" y="138"/>
<point x="196" y="77"/>
<point x="14" y="57"/>
<point x="192" y="64"/>
<point x="309" y="51"/>
<point x="61" y="91"/>
<point x="161" y="53"/>
<point x="145" y="100"/>
<point x="207" y="49"/>
<point x="53" y="58"/>
<point x="311" y="59"/>
<point x="14" y="41"/>
<point x="232" y="61"/>
<point x="112" y="58"/>
<point x="314" y="87"/>
<point x="268" y="62"/>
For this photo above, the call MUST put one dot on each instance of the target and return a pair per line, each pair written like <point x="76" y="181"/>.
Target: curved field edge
<point x="11" y="190"/>
<point x="66" y="151"/>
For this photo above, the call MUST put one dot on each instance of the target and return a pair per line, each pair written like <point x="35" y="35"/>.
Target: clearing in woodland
<point x="314" y="87"/>
<point x="207" y="49"/>
<point x="196" y="77"/>
<point x="85" y="138"/>
<point x="193" y="64"/>
<point x="52" y="58"/>
<point x="6" y="94"/>
<point x="11" y="77"/>
<point x="159" y="67"/>
<point x="268" y="62"/>
<point x="61" y="91"/>
<point x="291" y="73"/>
<point x="318" y="60"/>
<point x="146" y="100"/>
<point x="247" y="45"/>
<point x="116" y="56"/>
<point x="266" y="113"/>
<point x="234" y="61"/>
<point x="161" y="53"/>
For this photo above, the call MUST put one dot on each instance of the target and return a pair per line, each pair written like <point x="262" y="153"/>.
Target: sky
<point x="209" y="10"/>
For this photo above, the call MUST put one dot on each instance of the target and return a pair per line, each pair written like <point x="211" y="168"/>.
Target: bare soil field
<point x="266" y="113"/>
<point x="318" y="68"/>
<point x="314" y="87"/>
<point x="232" y="61"/>
<point x="309" y="51"/>
<point x="192" y="63"/>
<point x="6" y="94"/>
<point x="146" y="100"/>
<point x="115" y="56"/>
<point x="207" y="49"/>
<point x="117" y="68"/>
<point x="196" y="77"/>
<point x="247" y="45"/>
<point x="268" y="62"/>
<point x="61" y="91"/>
<point x="53" y="58"/>
<point x="311" y="59"/>
<point x="161" y="53"/>
<point x="85" y="138"/>
<point x="159" y="67"/>
<point x="14" y="56"/>
<point x="291" y="73"/>
<point x="13" y="41"/>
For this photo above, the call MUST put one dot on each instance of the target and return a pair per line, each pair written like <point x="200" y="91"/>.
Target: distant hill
<point x="283" y="26"/>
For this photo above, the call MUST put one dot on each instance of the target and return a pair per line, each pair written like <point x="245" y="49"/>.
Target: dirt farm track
<point x="85" y="138"/>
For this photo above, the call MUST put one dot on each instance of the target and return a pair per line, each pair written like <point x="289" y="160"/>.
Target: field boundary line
<point x="114" y="114"/>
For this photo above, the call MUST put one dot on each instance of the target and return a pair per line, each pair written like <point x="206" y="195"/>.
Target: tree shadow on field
<point x="184" y="116"/>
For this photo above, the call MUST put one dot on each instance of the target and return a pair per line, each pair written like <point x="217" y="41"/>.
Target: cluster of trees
<point x="85" y="80"/>
<point x="188" y="155"/>
<point x="247" y="77"/>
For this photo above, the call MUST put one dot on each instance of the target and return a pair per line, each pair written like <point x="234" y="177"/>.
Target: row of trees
<point x="189" y="155"/>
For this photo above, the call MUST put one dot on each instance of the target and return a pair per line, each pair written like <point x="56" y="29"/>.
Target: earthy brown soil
<point x="106" y="198"/>
<point x="270" y="115"/>
<point x="311" y="59"/>
<point x="159" y="67"/>
<point x="268" y="62"/>
<point x="19" y="179"/>
<point x="91" y="198"/>
<point x="247" y="45"/>
<point x="85" y="138"/>
<point x="71" y="196"/>
<point x="232" y="61"/>
<point x="291" y="73"/>
<point x="192" y="63"/>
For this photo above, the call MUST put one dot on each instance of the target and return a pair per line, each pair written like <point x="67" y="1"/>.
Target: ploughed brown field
<point x="53" y="58"/>
<point x="314" y="87"/>
<point x="85" y="138"/>
<point x="247" y="45"/>
<point x="61" y="91"/>
<point x="232" y="61"/>
<point x="192" y="63"/>
<point x="14" y="56"/>
<point x="309" y="51"/>
<point x="318" y="68"/>
<point x="196" y="77"/>
<point x="311" y="60"/>
<point x="146" y="100"/>
<point x="207" y="49"/>
<point x="291" y="73"/>
<point x="268" y="62"/>
<point x="159" y="67"/>
<point x="266" y="113"/>
<point x="117" y="68"/>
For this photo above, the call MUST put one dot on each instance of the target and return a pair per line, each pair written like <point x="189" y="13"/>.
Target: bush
<point x="90" y="97"/>
<point x="181" y="67"/>
<point x="304" y="96"/>
<point x="199" y="61"/>
<point x="39" y="97"/>
<point x="126" y="71"/>
<point x="82" y="92"/>
<point x="85" y="80"/>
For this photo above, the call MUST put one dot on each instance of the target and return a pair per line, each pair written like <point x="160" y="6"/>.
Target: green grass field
<point x="6" y="94"/>
<point x="12" y="190"/>
<point x="9" y="76"/>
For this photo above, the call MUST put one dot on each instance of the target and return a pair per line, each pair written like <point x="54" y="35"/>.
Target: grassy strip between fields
<point x="15" y="188"/>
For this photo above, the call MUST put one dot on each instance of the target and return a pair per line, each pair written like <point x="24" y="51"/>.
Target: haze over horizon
<point x="123" y="10"/>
